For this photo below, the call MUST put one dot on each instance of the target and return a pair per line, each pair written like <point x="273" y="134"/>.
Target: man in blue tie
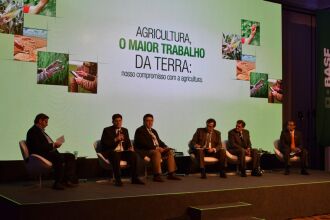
<point x="239" y="144"/>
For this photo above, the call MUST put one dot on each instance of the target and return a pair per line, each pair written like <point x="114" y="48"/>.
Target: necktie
<point x="154" y="138"/>
<point x="47" y="137"/>
<point x="120" y="145"/>
<point x="208" y="140"/>
<point x="242" y="139"/>
<point x="293" y="144"/>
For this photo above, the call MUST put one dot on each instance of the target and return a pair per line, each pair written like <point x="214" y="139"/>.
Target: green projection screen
<point x="183" y="61"/>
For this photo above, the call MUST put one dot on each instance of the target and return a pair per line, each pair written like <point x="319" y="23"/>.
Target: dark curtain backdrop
<point x="299" y="77"/>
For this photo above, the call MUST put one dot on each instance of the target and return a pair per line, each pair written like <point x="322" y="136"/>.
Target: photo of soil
<point x="26" y="47"/>
<point x="244" y="69"/>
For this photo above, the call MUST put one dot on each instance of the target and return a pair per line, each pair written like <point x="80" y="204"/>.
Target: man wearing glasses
<point x="240" y="145"/>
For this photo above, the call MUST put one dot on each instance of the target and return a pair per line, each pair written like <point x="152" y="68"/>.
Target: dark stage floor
<point x="26" y="193"/>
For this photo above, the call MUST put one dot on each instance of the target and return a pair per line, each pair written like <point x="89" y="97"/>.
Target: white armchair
<point x="104" y="162"/>
<point x="35" y="164"/>
<point x="233" y="159"/>
<point x="279" y="154"/>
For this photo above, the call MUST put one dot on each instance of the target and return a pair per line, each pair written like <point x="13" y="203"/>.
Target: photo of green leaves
<point x="40" y="7"/>
<point x="231" y="46"/>
<point x="52" y="68"/>
<point x="250" y="32"/>
<point x="259" y="85"/>
<point x="11" y="17"/>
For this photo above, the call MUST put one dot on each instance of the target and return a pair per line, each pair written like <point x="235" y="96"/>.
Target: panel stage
<point x="273" y="196"/>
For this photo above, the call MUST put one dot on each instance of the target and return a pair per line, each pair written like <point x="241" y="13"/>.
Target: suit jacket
<point x="200" y="139"/>
<point x="143" y="140"/>
<point x="235" y="141"/>
<point x="37" y="143"/>
<point x="108" y="139"/>
<point x="285" y="139"/>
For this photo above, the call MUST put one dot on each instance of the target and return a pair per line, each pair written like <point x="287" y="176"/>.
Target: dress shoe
<point x="243" y="174"/>
<point x="58" y="186"/>
<point x="157" y="179"/>
<point x="74" y="181"/>
<point x="137" y="181"/>
<point x="256" y="173"/>
<point x="203" y="175"/>
<point x="286" y="172"/>
<point x="118" y="183"/>
<point x="223" y="174"/>
<point x="173" y="177"/>
<point x="304" y="172"/>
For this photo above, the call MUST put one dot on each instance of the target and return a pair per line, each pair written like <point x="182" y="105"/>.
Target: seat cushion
<point x="210" y="160"/>
<point x="123" y="163"/>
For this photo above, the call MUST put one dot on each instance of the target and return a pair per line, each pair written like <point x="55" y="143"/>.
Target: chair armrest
<point x="231" y="156"/>
<point x="278" y="153"/>
<point x="37" y="164"/>
<point x="40" y="159"/>
<point x="101" y="157"/>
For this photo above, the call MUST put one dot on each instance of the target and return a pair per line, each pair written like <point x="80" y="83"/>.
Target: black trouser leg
<point x="58" y="165"/>
<point x="303" y="158"/>
<point x="131" y="158"/>
<point x="240" y="153"/>
<point x="241" y="159"/>
<point x="200" y="157"/>
<point x="114" y="158"/>
<point x="286" y="157"/>
<point x="255" y="159"/>
<point x="221" y="156"/>
<point x="69" y="167"/>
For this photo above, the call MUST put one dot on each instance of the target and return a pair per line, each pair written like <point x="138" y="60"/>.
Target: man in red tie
<point x="291" y="145"/>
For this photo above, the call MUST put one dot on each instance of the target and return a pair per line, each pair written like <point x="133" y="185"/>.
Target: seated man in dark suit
<point x="207" y="142"/>
<point x="148" y="143"/>
<point x="291" y="144"/>
<point x="64" y="164"/>
<point x="240" y="145"/>
<point x="116" y="146"/>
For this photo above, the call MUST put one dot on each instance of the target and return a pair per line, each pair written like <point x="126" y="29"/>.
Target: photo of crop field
<point x="52" y="68"/>
<point x="259" y="85"/>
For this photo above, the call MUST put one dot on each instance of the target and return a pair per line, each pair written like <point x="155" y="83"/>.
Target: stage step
<point x="233" y="211"/>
